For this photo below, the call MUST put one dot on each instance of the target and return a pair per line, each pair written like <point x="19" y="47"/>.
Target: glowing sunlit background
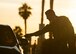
<point x="9" y="12"/>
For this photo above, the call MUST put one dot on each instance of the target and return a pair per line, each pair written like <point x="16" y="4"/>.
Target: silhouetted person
<point x="62" y="30"/>
<point x="49" y="47"/>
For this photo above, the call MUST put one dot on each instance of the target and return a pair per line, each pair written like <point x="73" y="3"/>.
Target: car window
<point x="7" y="37"/>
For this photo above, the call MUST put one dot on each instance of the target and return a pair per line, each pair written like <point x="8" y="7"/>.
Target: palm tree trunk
<point x="25" y="27"/>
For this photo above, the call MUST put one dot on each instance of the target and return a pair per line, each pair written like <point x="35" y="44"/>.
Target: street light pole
<point x="41" y="25"/>
<point x="42" y="13"/>
<point x="41" y="37"/>
<point x="51" y="4"/>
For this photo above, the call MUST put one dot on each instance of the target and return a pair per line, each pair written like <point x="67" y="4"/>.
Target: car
<point x="9" y="43"/>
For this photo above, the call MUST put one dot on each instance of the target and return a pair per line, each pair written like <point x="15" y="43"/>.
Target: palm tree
<point x="18" y="31"/>
<point x="24" y="12"/>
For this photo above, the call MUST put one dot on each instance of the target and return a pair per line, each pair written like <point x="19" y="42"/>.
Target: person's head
<point x="50" y="14"/>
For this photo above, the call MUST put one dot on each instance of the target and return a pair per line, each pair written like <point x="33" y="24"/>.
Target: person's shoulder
<point x="64" y="20"/>
<point x="63" y="17"/>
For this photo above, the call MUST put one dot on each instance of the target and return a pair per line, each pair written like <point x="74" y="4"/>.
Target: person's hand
<point x="28" y="36"/>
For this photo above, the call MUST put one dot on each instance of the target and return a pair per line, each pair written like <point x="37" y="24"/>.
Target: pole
<point x="42" y="13"/>
<point x="51" y="4"/>
<point x="25" y="26"/>
<point x="41" y="25"/>
<point x="42" y="16"/>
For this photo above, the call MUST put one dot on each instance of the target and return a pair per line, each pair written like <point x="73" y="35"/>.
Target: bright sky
<point x="9" y="12"/>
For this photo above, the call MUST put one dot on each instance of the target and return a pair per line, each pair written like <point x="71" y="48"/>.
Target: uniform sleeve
<point x="42" y="31"/>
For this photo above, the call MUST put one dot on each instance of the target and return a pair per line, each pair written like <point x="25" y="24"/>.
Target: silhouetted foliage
<point x="18" y="32"/>
<point x="24" y="11"/>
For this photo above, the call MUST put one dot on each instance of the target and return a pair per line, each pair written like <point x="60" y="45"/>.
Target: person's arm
<point x="40" y="32"/>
